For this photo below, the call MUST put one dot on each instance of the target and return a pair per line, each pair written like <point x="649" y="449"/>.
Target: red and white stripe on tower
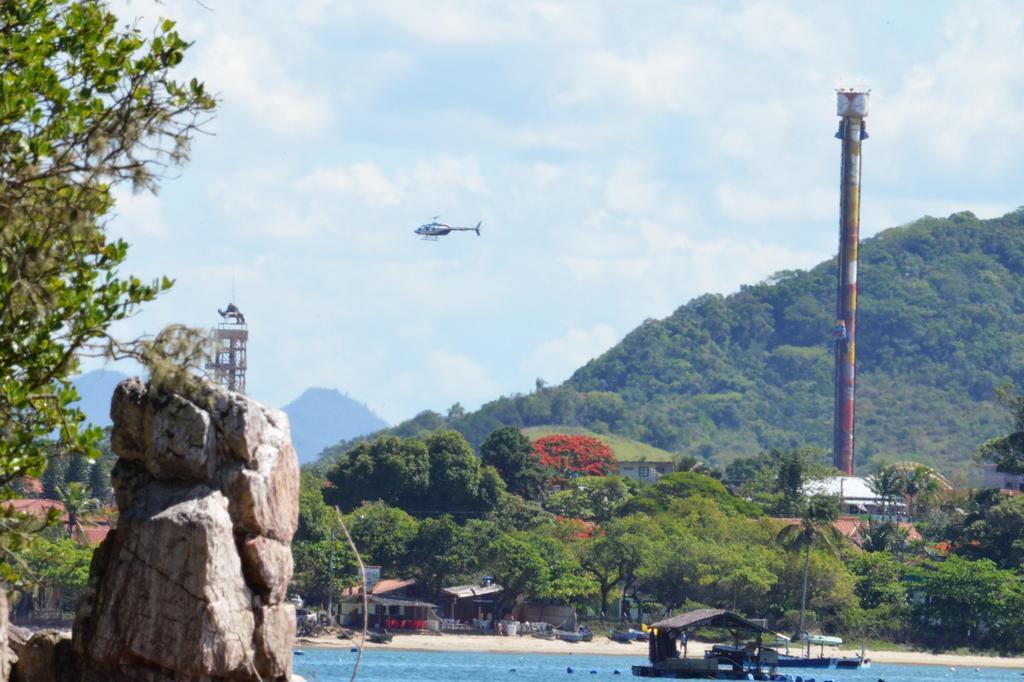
<point x="852" y="106"/>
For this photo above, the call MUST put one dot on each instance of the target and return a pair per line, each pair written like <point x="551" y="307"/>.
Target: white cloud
<point x="555" y="359"/>
<point x="630" y="188"/>
<point x="593" y="269"/>
<point x="663" y="78"/>
<point x="252" y="57"/>
<point x="769" y="27"/>
<point x="458" y="377"/>
<point x="488" y="24"/>
<point x="448" y="23"/>
<point x="628" y="156"/>
<point x="562" y="139"/>
<point x="547" y="172"/>
<point x="247" y="72"/>
<point x="364" y="180"/>
<point x="449" y="173"/>
<point x="138" y="214"/>
<point x="964" y="104"/>
<point x="754" y="206"/>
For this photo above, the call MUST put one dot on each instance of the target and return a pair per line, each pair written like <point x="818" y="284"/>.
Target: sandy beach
<point x="606" y="647"/>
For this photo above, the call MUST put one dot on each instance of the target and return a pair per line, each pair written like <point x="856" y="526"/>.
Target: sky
<point x="624" y="157"/>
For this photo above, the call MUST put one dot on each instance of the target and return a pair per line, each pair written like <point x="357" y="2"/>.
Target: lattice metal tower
<point x="230" y="338"/>
<point x="852" y="106"/>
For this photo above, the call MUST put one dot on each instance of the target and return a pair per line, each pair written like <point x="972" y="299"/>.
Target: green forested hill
<point x="940" y="326"/>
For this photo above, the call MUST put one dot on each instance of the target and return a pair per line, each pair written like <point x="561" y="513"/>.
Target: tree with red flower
<point x="573" y="456"/>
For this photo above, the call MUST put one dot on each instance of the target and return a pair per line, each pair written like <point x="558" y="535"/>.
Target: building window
<point x="627" y="468"/>
<point x="645" y="472"/>
<point x="660" y="470"/>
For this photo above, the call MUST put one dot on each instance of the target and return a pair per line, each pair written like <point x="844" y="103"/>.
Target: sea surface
<point x="335" y="665"/>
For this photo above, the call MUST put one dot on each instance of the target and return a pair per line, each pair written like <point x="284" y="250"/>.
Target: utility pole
<point x="852" y="106"/>
<point x="330" y="581"/>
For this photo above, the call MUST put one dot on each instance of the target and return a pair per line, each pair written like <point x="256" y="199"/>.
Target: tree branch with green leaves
<point x="85" y="108"/>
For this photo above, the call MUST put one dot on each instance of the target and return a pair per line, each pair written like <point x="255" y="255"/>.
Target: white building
<point x="645" y="471"/>
<point x="855" y="494"/>
<point x="1000" y="480"/>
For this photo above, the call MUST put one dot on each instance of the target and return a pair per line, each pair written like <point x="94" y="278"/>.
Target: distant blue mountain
<point x="95" y="389"/>
<point x="319" y="417"/>
<point x="324" y="416"/>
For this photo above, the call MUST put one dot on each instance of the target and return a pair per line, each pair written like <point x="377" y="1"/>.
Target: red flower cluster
<point x="575" y="455"/>
<point x="568" y="530"/>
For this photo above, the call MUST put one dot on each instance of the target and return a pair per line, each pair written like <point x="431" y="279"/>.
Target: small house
<point x="393" y="614"/>
<point x="1013" y="483"/>
<point x="471" y="603"/>
<point x="645" y="471"/>
<point x="392" y="604"/>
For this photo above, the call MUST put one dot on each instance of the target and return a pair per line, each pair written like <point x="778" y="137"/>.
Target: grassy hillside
<point x="625" y="449"/>
<point x="941" y="325"/>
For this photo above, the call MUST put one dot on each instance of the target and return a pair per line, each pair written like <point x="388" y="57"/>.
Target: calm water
<point x="335" y="665"/>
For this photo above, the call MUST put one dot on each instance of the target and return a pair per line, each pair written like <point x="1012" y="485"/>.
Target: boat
<point x="627" y="636"/>
<point x="380" y="636"/>
<point x="821" y="661"/>
<point x="582" y="634"/>
<point x="568" y="635"/>
<point x="741" y="663"/>
<point x="789" y="661"/>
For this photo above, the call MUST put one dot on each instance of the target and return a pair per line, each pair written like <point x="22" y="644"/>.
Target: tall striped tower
<point x="852" y="107"/>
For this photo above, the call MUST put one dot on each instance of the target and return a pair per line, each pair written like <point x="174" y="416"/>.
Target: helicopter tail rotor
<point x="477" y="228"/>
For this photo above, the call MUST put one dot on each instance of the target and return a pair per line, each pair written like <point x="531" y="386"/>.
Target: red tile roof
<point x="852" y="527"/>
<point x="37" y="506"/>
<point x="89" y="532"/>
<point x="912" y="533"/>
<point x="92" y="535"/>
<point x="849" y="527"/>
<point x="390" y="585"/>
<point x="32" y="485"/>
<point x="383" y="586"/>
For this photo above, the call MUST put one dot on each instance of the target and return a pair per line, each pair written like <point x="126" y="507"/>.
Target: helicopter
<point x="432" y="230"/>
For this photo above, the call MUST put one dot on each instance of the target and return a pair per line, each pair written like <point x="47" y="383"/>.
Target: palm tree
<point x="881" y="537"/>
<point x="815" y="526"/>
<point x="888" y="485"/>
<point x="76" y="500"/>
<point x="919" y="480"/>
<point x="696" y="465"/>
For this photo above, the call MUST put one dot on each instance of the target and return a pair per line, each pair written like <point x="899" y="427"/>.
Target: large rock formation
<point x="17" y="638"/>
<point x="46" y="657"/>
<point x="5" y="655"/>
<point x="191" y="583"/>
